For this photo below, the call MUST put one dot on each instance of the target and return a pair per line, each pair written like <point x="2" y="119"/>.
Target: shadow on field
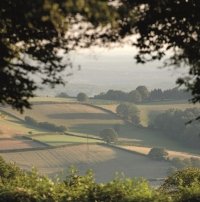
<point x="92" y="129"/>
<point x="101" y="116"/>
<point x="115" y="160"/>
<point x="137" y="136"/>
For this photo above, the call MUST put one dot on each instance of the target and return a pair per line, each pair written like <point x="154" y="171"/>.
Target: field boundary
<point x="43" y="148"/>
<point x="122" y="149"/>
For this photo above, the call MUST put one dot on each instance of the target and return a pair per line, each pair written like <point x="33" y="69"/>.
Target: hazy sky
<point x="116" y="68"/>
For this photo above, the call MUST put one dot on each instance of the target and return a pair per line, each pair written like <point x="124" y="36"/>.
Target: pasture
<point x="12" y="126"/>
<point x="87" y="120"/>
<point x="71" y="115"/>
<point x="149" y="111"/>
<point x="56" y="139"/>
<point x="104" y="161"/>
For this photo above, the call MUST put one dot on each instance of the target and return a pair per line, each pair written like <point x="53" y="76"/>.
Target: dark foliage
<point x="143" y="95"/>
<point x="174" y="124"/>
<point x="109" y="135"/>
<point x="34" y="33"/>
<point x="44" y="125"/>
<point x="158" y="154"/>
<point x="82" y="97"/>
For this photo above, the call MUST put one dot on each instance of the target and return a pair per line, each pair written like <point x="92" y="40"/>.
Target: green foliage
<point x="185" y="163"/>
<point x="181" y="179"/>
<point x="129" y="112"/>
<point x="82" y="97"/>
<point x="32" y="187"/>
<point x="8" y="171"/>
<point x="135" y="96"/>
<point x="174" y="124"/>
<point x="63" y="95"/>
<point x="158" y="154"/>
<point x="109" y="135"/>
<point x="44" y="125"/>
<point x="143" y="92"/>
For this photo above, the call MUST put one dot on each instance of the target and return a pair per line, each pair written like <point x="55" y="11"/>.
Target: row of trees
<point x="174" y="124"/>
<point x="142" y="94"/>
<point x="44" y="125"/>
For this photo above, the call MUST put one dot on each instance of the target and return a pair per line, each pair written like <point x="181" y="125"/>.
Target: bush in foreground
<point x="21" y="186"/>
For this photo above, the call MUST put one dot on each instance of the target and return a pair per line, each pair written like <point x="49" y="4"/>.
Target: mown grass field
<point x="56" y="139"/>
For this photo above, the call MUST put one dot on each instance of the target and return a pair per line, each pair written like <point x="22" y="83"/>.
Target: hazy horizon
<point x="102" y="69"/>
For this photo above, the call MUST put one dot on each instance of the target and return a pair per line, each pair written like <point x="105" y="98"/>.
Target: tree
<point x="122" y="110"/>
<point x="129" y="112"/>
<point x="34" y="33"/>
<point x="143" y="92"/>
<point x="63" y="95"/>
<point x="82" y="97"/>
<point x="109" y="135"/>
<point x="158" y="153"/>
<point x="135" y="96"/>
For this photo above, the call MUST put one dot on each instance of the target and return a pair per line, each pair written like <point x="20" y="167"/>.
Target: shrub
<point x="82" y="97"/>
<point x="182" y="178"/>
<point x="158" y="154"/>
<point x="109" y="135"/>
<point x="129" y="112"/>
<point x="30" y="121"/>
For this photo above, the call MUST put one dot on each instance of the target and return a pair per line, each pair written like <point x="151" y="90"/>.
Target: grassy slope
<point x="150" y="110"/>
<point x="104" y="161"/>
<point x="55" y="140"/>
<point x="88" y="120"/>
<point x="71" y="115"/>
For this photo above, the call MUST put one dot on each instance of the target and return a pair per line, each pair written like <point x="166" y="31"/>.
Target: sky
<point x="103" y="69"/>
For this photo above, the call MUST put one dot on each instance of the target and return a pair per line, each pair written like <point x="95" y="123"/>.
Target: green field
<point x="56" y="140"/>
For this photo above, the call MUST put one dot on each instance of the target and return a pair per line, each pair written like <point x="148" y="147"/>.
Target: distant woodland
<point x="142" y="94"/>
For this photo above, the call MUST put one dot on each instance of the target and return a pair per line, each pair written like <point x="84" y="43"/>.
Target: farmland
<point x="150" y="110"/>
<point x="56" y="139"/>
<point x="82" y="120"/>
<point x="11" y="144"/>
<point x="104" y="161"/>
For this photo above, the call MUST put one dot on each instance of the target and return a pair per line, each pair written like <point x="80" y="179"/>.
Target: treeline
<point x="17" y="185"/>
<point x="44" y="125"/>
<point x="174" y="124"/>
<point x="142" y="94"/>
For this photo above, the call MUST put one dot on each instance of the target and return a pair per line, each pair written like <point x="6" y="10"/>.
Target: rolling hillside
<point x="104" y="161"/>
